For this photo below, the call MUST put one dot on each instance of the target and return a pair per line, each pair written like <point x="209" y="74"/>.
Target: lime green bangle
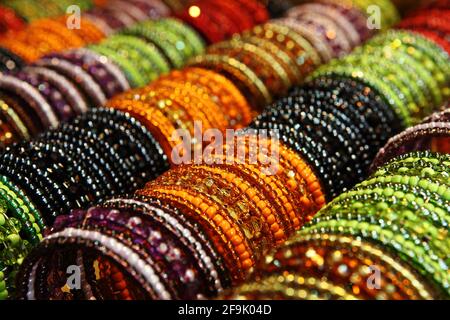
<point x="143" y="55"/>
<point x="430" y="55"/>
<point x="185" y="31"/>
<point x="131" y="72"/>
<point x="393" y="74"/>
<point x="388" y="215"/>
<point x="19" y="210"/>
<point x="14" y="249"/>
<point x="169" y="35"/>
<point x="422" y="77"/>
<point x="22" y="198"/>
<point x="164" y="41"/>
<point x="148" y="51"/>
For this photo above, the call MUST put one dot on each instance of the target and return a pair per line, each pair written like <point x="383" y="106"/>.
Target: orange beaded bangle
<point x="196" y="97"/>
<point x="257" y="200"/>
<point x="69" y="38"/>
<point x="221" y="90"/>
<point x="226" y="196"/>
<point x="237" y="253"/>
<point x="306" y="56"/>
<point x="88" y="31"/>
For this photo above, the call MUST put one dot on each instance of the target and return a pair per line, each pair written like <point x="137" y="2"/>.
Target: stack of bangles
<point x="201" y="227"/>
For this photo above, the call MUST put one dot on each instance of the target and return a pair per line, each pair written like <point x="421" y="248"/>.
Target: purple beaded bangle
<point x="64" y="86"/>
<point x="109" y="77"/>
<point x="75" y="73"/>
<point x="308" y="32"/>
<point x="51" y="94"/>
<point x="354" y="16"/>
<point x="325" y="27"/>
<point x="32" y="96"/>
<point x="417" y="138"/>
<point x="332" y="13"/>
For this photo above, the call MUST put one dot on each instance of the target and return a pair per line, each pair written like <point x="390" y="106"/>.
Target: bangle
<point x="85" y="83"/>
<point x="246" y="80"/>
<point x="221" y="90"/>
<point x="183" y="30"/>
<point x="162" y="42"/>
<point x="105" y="73"/>
<point x="290" y="40"/>
<point x="268" y="69"/>
<point x="328" y="29"/>
<point x="33" y="98"/>
<point x="430" y="136"/>
<point x="14" y="120"/>
<point x="331" y="12"/>
<point x="134" y="77"/>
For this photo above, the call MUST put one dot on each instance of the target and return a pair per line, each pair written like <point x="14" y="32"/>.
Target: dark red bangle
<point x="256" y="9"/>
<point x="9" y="21"/>
<point x="232" y="10"/>
<point x="202" y="23"/>
<point x="219" y="18"/>
<point x="434" y="20"/>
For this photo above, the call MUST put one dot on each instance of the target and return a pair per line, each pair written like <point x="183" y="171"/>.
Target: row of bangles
<point x="101" y="122"/>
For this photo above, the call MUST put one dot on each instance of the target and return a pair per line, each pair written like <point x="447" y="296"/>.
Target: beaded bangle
<point x="14" y="119"/>
<point x="163" y="42"/>
<point x="420" y="137"/>
<point x="189" y="35"/>
<point x="221" y="90"/>
<point x="33" y="98"/>
<point x="332" y="34"/>
<point x="86" y="83"/>
<point x="306" y="55"/>
<point x="331" y="12"/>
<point x="268" y="69"/>
<point x="106" y="74"/>
<point x="134" y="77"/>
<point x="252" y="87"/>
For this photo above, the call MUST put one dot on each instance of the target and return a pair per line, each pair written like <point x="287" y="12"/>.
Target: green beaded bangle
<point x="170" y="36"/>
<point x="430" y="55"/>
<point x="189" y="34"/>
<point x="402" y="222"/>
<point x="392" y="74"/>
<point x="410" y="200"/>
<point x="138" y="52"/>
<point x="23" y="199"/>
<point x="20" y="211"/>
<point x="163" y="40"/>
<point x="148" y="51"/>
<point x="14" y="249"/>
<point x="422" y="77"/>
<point x="131" y="72"/>
<point x="423" y="164"/>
